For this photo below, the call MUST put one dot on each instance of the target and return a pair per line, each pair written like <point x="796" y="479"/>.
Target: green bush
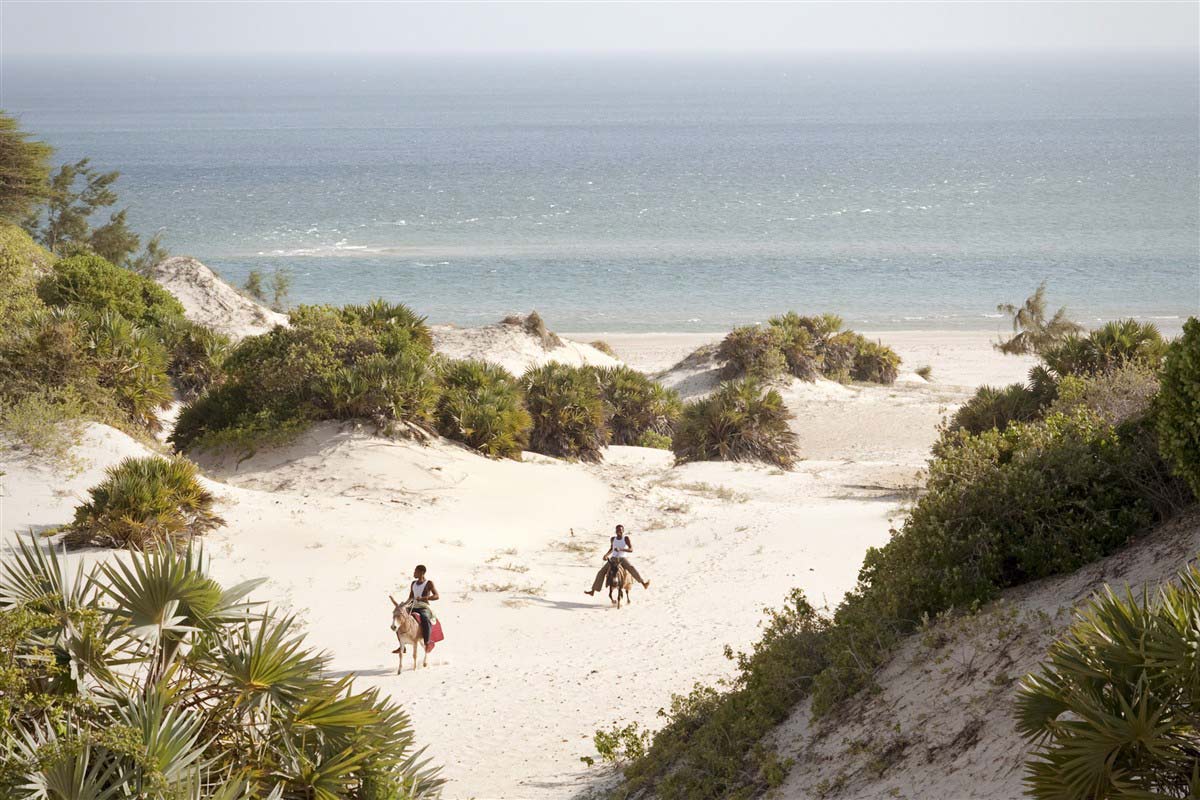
<point x="739" y="422"/>
<point x="132" y="363"/>
<point x="1123" y="393"/>
<point x="1107" y="348"/>
<point x="203" y="693"/>
<point x="754" y="352"/>
<point x="656" y="441"/>
<point x="22" y="262"/>
<point x="1115" y="709"/>
<point x="197" y="356"/>
<point x="604" y="347"/>
<point x="144" y="503"/>
<point x="370" y="361"/>
<point x="801" y="341"/>
<point x="89" y="282"/>
<point x="1178" y="405"/>
<point x="994" y="409"/>
<point x="636" y="405"/>
<point x="482" y="407"/>
<point x="838" y="355"/>
<point x="567" y="411"/>
<point x="874" y="362"/>
<point x="47" y="422"/>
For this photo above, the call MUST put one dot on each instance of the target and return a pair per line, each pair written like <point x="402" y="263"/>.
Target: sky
<point x="195" y="28"/>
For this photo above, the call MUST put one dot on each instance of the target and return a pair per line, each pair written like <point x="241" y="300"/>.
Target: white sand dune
<point x="514" y="348"/>
<point x="211" y="301"/>
<point x="531" y="666"/>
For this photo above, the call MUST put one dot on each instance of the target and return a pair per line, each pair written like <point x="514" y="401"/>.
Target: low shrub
<point x="1107" y="348"/>
<point x="753" y="352"/>
<point x="197" y="356"/>
<point x="482" y="407"/>
<point x="654" y="440"/>
<point x="142" y="504"/>
<point x="994" y="409"/>
<point x="1123" y="393"/>
<point x="1178" y="405"/>
<point x="47" y="423"/>
<point x="604" y="347"/>
<point x="567" y="411"/>
<point x="22" y="263"/>
<point x="133" y="364"/>
<point x="739" y="422"/>
<point x="636" y="405"/>
<point x="368" y="360"/>
<point x="93" y="284"/>
<point x="874" y="362"/>
<point x="800" y="340"/>
<point x="403" y="388"/>
<point x="838" y="354"/>
<point x="1114" y="711"/>
<point x="535" y="326"/>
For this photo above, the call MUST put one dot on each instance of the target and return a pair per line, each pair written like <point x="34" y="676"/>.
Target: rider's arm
<point x="628" y="545"/>
<point x="431" y="592"/>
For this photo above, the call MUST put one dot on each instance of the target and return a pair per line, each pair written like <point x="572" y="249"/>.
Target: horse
<point x="621" y="580"/>
<point x="408" y="632"/>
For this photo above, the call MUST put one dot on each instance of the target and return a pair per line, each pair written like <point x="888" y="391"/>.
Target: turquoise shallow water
<point x="658" y="194"/>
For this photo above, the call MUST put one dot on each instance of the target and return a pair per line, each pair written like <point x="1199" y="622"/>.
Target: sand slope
<point x="210" y="301"/>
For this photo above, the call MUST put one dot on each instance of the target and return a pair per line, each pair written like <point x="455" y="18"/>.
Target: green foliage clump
<point x="567" y="409"/>
<point x="197" y="356"/>
<point x="801" y="341"/>
<point x="1111" y="346"/>
<point x="144" y="503"/>
<point x="754" y="352"/>
<point x="22" y="262"/>
<point x="621" y="743"/>
<point x="654" y="440"/>
<point x="1115" y="709"/>
<point x="994" y="409"/>
<point x="739" y="422"/>
<point x="636" y="405"/>
<point x="874" y="362"/>
<point x="482" y="407"/>
<point x="604" y="347"/>
<point x="145" y="678"/>
<point x="1178" y="405"/>
<point x="707" y="747"/>
<point x="93" y="284"/>
<point x="370" y="361"/>
<point x="24" y="171"/>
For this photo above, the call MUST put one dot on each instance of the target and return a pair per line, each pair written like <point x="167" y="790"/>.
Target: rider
<point x="618" y="547"/>
<point x="421" y="592"/>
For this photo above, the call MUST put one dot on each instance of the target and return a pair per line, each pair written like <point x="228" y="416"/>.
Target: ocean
<point x="657" y="194"/>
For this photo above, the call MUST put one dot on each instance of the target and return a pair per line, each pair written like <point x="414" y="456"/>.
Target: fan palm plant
<point x="637" y="405"/>
<point x="193" y="692"/>
<point x="567" y="411"/>
<point x="1032" y="331"/>
<point x="738" y="422"/>
<point x="482" y="407"/>
<point x="1115" y="710"/>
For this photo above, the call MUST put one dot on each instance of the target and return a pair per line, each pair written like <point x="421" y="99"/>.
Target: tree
<point x="77" y="191"/>
<point x="1032" y="332"/>
<point x="24" y="170"/>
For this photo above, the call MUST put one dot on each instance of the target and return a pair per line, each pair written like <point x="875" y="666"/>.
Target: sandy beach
<point x="531" y="666"/>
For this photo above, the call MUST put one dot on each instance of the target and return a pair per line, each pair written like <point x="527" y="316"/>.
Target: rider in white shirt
<point x="619" y="547"/>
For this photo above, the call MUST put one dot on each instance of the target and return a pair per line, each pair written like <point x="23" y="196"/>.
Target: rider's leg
<point x="632" y="570"/>
<point x="596" y="584"/>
